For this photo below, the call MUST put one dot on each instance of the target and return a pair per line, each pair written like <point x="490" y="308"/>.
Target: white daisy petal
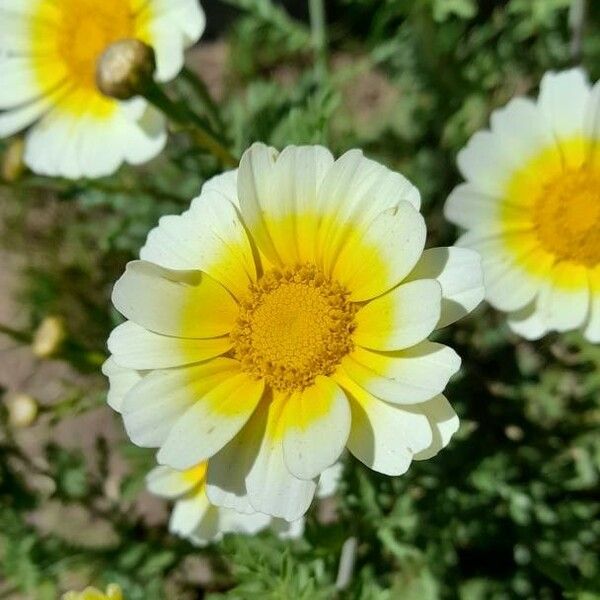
<point x="121" y="380"/>
<point x="592" y="326"/>
<point x="213" y="420"/>
<point x="562" y="101"/>
<point x="272" y="489"/>
<point x="168" y="483"/>
<point x="565" y="298"/>
<point x="444" y="424"/>
<point x="406" y="376"/>
<point x="209" y="237"/>
<point x="401" y="318"/>
<point x="377" y="259"/>
<point x="152" y="407"/>
<point x="459" y="273"/>
<point x="384" y="437"/>
<point x="134" y="347"/>
<point x="187" y="514"/>
<point x="528" y="322"/>
<point x="316" y="429"/>
<point x="179" y="303"/>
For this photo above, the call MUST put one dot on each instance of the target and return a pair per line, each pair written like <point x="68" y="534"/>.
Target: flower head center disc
<point x="85" y="28"/>
<point x="295" y="325"/>
<point x="566" y="216"/>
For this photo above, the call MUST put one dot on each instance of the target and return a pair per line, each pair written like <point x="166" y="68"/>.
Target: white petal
<point x="256" y="195"/>
<point x="383" y="436"/>
<point x="179" y="303"/>
<point x="563" y="99"/>
<point x="317" y="424"/>
<point x="288" y="531"/>
<point x="528" y="322"/>
<point x="485" y="163"/>
<point x="153" y="406"/>
<point x="354" y="191"/>
<point x="228" y="468"/>
<point x="508" y="285"/>
<point x="401" y="318"/>
<point x="444" y="424"/>
<point x="188" y="513"/>
<point x="592" y="327"/>
<point x="329" y="480"/>
<point x="17" y="119"/>
<point x="521" y="130"/>
<point x="406" y="376"/>
<point x="177" y="25"/>
<point x="168" y="483"/>
<point x="272" y="489"/>
<point x="134" y="347"/>
<point x="565" y="298"/>
<point x="235" y="522"/>
<point x="459" y="273"/>
<point x="214" y="419"/>
<point x="209" y="237"/>
<point x="19" y="82"/>
<point x="378" y="258"/>
<point x="121" y="380"/>
<point x="468" y="207"/>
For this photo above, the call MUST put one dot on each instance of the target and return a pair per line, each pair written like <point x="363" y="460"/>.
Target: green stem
<point x="199" y="86"/>
<point x="15" y="334"/>
<point x="319" y="36"/>
<point x="189" y="121"/>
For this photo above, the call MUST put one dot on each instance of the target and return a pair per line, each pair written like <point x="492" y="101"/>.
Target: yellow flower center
<point x="67" y="39"/>
<point x="566" y="216"/>
<point x="85" y="29"/>
<point x="295" y="324"/>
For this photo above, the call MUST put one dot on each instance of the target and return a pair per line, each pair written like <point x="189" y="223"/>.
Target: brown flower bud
<point x="125" y="69"/>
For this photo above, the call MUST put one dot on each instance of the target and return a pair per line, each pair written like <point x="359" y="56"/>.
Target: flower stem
<point x="319" y="36"/>
<point x="201" y="90"/>
<point x="181" y="115"/>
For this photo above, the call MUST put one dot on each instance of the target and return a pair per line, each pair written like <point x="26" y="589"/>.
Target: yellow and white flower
<point x="531" y="205"/>
<point x="113" y="592"/>
<point x="285" y="316"/>
<point x="48" y="55"/>
<point x="195" y="518"/>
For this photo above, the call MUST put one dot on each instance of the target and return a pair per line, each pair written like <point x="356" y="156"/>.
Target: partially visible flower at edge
<point x="48" y="57"/>
<point x="531" y="207"/>
<point x="284" y="317"/>
<point x="113" y="592"/>
<point x="195" y="518"/>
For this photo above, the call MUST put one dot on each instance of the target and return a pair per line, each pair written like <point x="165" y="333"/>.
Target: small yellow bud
<point x="12" y="161"/>
<point x="22" y="411"/>
<point x="48" y="337"/>
<point x="125" y="69"/>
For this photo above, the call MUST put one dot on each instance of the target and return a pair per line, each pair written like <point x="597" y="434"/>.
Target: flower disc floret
<point x="296" y="324"/>
<point x="566" y="216"/>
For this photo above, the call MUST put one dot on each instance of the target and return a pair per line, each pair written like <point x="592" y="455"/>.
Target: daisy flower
<point x="285" y="316"/>
<point x="531" y="207"/>
<point x="113" y="592"/>
<point x="48" y="56"/>
<point x="195" y="518"/>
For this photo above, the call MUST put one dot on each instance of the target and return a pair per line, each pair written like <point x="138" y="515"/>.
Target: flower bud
<point x="22" y="411"/>
<point x="125" y="69"/>
<point x="12" y="166"/>
<point x="48" y="337"/>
